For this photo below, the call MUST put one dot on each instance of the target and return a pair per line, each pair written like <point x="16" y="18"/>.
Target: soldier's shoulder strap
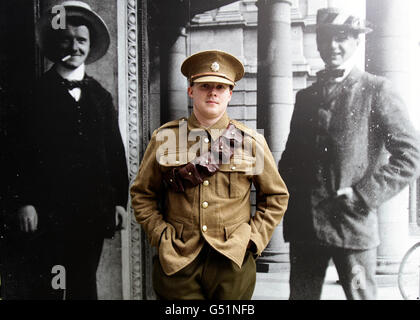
<point x="244" y="128"/>
<point x="172" y="124"/>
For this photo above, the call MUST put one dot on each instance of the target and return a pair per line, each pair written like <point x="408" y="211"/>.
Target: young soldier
<point x="204" y="231"/>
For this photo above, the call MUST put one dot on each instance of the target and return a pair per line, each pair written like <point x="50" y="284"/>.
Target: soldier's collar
<point x="215" y="130"/>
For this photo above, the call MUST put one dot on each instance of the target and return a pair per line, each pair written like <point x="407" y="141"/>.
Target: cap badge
<point x="215" y="67"/>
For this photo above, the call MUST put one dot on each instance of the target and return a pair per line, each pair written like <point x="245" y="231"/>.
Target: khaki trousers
<point x="210" y="276"/>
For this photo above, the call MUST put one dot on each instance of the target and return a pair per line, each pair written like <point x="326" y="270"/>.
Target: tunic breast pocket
<point x="174" y="159"/>
<point x="234" y="179"/>
<point x="171" y="162"/>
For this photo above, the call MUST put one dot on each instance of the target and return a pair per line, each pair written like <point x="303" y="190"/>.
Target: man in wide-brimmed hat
<point x="205" y="233"/>
<point x="351" y="148"/>
<point x="74" y="176"/>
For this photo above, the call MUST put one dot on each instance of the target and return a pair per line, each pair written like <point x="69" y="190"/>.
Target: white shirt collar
<point x="76" y="74"/>
<point x="347" y="66"/>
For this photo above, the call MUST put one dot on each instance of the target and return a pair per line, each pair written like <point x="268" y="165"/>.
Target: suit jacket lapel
<point x="353" y="77"/>
<point x="58" y="90"/>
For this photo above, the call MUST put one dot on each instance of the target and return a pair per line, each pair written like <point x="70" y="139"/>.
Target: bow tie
<point x="71" y="84"/>
<point x="329" y="74"/>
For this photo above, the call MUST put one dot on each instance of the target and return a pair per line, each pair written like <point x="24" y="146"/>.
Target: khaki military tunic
<point x="218" y="210"/>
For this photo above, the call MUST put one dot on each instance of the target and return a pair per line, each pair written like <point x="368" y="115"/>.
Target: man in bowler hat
<point x="351" y="148"/>
<point x="73" y="179"/>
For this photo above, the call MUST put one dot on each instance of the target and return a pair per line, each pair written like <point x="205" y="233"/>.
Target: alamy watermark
<point x="59" y="19"/>
<point x="358" y="281"/>
<point x="58" y="281"/>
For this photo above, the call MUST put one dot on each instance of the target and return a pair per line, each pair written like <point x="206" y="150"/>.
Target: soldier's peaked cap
<point x="338" y="19"/>
<point x="213" y="66"/>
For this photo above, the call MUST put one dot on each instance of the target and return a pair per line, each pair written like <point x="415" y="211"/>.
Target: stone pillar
<point x="177" y="103"/>
<point x="274" y="98"/>
<point x="388" y="55"/>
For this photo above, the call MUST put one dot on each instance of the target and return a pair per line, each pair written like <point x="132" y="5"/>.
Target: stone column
<point x="274" y="98"/>
<point x="177" y="102"/>
<point x="388" y="55"/>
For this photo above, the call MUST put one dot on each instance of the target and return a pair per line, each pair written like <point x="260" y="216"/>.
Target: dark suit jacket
<point x="74" y="170"/>
<point x="358" y="136"/>
<point x="8" y="164"/>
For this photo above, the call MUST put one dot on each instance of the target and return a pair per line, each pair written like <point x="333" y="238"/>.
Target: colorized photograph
<point x="249" y="151"/>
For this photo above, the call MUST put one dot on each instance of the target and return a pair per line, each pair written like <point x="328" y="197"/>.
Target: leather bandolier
<point x="197" y="170"/>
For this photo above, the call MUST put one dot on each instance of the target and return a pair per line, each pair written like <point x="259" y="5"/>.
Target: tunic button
<point x="189" y="173"/>
<point x="206" y="140"/>
<point x="205" y="204"/>
<point x="204" y="228"/>
<point x="233" y="168"/>
<point x="206" y="183"/>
